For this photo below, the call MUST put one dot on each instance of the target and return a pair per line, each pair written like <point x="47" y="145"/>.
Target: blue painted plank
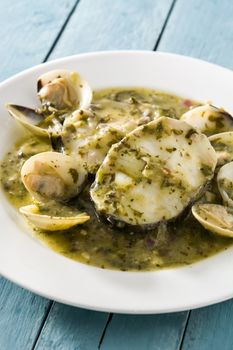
<point x="108" y="25"/>
<point x="21" y="315"/>
<point x="202" y="29"/>
<point x="157" y="332"/>
<point x="210" y="328"/>
<point x="69" y="328"/>
<point x="28" y="30"/>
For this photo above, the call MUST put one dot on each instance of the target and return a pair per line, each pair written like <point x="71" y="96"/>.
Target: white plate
<point x="33" y="266"/>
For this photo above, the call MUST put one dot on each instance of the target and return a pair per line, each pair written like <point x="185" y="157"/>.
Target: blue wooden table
<point x="34" y="31"/>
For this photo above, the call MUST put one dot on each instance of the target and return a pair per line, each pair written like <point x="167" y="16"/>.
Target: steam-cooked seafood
<point x="208" y="119"/>
<point x="153" y="173"/>
<point x="223" y="145"/>
<point x="53" y="175"/>
<point x="225" y="183"/>
<point x="215" y="218"/>
<point x="136" y="157"/>
<point x="62" y="90"/>
<point x="50" y="222"/>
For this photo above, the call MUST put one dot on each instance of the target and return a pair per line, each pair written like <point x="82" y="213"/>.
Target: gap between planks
<point x="164" y="25"/>
<point x="184" y="331"/>
<point x="105" y="329"/>
<point x="61" y="31"/>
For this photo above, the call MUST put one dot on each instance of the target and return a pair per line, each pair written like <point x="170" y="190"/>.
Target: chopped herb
<point x="170" y="150"/>
<point x="73" y="172"/>
<point x="190" y="133"/>
<point x="206" y="170"/>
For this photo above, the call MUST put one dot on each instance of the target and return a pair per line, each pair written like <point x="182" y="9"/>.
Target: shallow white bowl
<point x="30" y="264"/>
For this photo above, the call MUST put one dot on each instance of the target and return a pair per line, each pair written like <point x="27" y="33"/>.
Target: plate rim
<point x="93" y="306"/>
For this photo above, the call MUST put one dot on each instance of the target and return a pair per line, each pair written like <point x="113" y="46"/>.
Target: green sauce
<point x="97" y="243"/>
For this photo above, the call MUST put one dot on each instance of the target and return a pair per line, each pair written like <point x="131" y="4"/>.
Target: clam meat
<point x="63" y="89"/>
<point x="53" y="175"/>
<point x="60" y="92"/>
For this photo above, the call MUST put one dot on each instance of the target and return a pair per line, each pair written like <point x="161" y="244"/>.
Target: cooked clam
<point x="215" y="218"/>
<point x="225" y="183"/>
<point x="208" y="119"/>
<point x="53" y="175"/>
<point x="223" y="145"/>
<point x="153" y="173"/>
<point x="63" y="89"/>
<point x="60" y="92"/>
<point x="37" y="123"/>
<point x="28" y="117"/>
<point x="51" y="223"/>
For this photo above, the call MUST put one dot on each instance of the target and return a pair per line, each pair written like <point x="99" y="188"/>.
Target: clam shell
<point x="78" y="92"/>
<point x="225" y="183"/>
<point x="51" y="223"/>
<point x="53" y="175"/>
<point x="215" y="218"/>
<point x="28" y="118"/>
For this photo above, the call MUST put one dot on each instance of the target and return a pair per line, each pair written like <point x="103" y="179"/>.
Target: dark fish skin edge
<point x="120" y="224"/>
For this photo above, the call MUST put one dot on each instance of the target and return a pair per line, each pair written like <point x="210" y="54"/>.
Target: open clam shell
<point x="223" y="145"/>
<point x="53" y="175"/>
<point x="225" y="183"/>
<point x="51" y="223"/>
<point x="208" y="119"/>
<point x="64" y="89"/>
<point x="28" y="118"/>
<point x="215" y="218"/>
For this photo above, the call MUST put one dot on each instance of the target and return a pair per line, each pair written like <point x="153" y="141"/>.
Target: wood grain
<point x="210" y="328"/>
<point x="21" y="315"/>
<point x="145" y="332"/>
<point x="113" y="25"/>
<point x="72" y="328"/>
<point x="202" y="29"/>
<point x="28" y="30"/>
